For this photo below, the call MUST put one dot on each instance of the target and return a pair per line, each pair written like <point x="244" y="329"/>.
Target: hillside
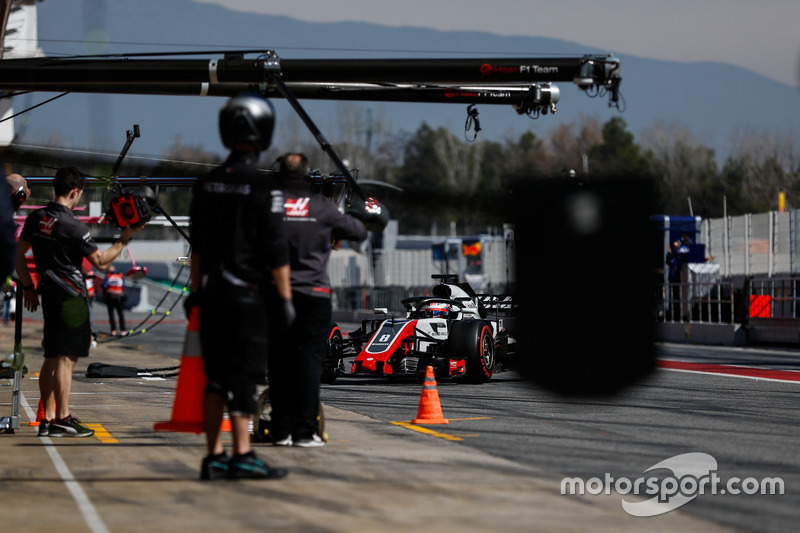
<point x="713" y="100"/>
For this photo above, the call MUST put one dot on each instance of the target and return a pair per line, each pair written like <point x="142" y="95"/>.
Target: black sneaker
<point x="44" y="428"/>
<point x="69" y="427"/>
<point x="249" y="466"/>
<point x="214" y="467"/>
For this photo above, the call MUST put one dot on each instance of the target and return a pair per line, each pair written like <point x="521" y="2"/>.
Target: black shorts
<point x="233" y="335"/>
<point x="67" y="329"/>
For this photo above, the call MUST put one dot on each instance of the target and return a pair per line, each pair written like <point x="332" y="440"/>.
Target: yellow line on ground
<point x="427" y="431"/>
<point x="102" y="434"/>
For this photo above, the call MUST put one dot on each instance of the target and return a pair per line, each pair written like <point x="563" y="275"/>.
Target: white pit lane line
<point x="87" y="509"/>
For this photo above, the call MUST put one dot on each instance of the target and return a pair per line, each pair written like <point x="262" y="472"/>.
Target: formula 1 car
<point x="459" y="333"/>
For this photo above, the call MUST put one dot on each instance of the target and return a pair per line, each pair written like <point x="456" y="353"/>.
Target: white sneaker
<point x="314" y="442"/>
<point x="286" y="441"/>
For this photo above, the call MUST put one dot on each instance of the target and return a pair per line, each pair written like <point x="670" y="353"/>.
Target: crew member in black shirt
<point x="60" y="242"/>
<point x="239" y="262"/>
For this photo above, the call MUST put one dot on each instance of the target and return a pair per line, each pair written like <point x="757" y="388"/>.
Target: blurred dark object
<point x="584" y="282"/>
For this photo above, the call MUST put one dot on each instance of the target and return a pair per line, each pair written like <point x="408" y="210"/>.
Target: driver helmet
<point x="436" y="309"/>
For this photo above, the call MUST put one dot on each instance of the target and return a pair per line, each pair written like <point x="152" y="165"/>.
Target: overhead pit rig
<point x="525" y="83"/>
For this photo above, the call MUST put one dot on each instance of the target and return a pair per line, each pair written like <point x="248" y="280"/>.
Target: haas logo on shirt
<point x="297" y="207"/>
<point x="47" y="224"/>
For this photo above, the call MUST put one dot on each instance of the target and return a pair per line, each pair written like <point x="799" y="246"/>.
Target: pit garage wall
<point x="763" y="244"/>
<point x="412" y="266"/>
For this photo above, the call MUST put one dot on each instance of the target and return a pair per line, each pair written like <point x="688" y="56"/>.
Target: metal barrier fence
<point x="701" y="302"/>
<point x="719" y="303"/>
<point x="775" y="297"/>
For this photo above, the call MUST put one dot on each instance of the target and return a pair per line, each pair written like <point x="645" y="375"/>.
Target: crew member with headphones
<point x="312" y="222"/>
<point x="19" y="190"/>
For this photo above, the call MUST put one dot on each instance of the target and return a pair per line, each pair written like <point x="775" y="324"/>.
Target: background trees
<point x="452" y="184"/>
<point x="449" y="181"/>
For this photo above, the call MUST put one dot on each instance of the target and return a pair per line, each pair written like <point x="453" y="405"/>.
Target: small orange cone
<point x="430" y="410"/>
<point x="187" y="410"/>
<point x="39" y="415"/>
<point x="226" y="425"/>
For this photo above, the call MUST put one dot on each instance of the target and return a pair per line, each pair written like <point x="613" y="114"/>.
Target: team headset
<point x="18" y="197"/>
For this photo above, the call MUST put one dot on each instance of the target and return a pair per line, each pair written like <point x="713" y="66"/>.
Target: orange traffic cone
<point x="187" y="410"/>
<point x="40" y="414"/>
<point x="226" y="425"/>
<point x="430" y="410"/>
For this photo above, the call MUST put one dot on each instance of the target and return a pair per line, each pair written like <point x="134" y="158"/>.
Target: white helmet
<point x="436" y="309"/>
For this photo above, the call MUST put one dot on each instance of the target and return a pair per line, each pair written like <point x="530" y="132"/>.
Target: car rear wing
<point x="498" y="304"/>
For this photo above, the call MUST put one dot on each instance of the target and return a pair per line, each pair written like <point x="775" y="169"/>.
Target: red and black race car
<point x="459" y="333"/>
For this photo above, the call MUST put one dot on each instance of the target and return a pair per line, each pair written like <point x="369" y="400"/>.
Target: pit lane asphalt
<point x="371" y="476"/>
